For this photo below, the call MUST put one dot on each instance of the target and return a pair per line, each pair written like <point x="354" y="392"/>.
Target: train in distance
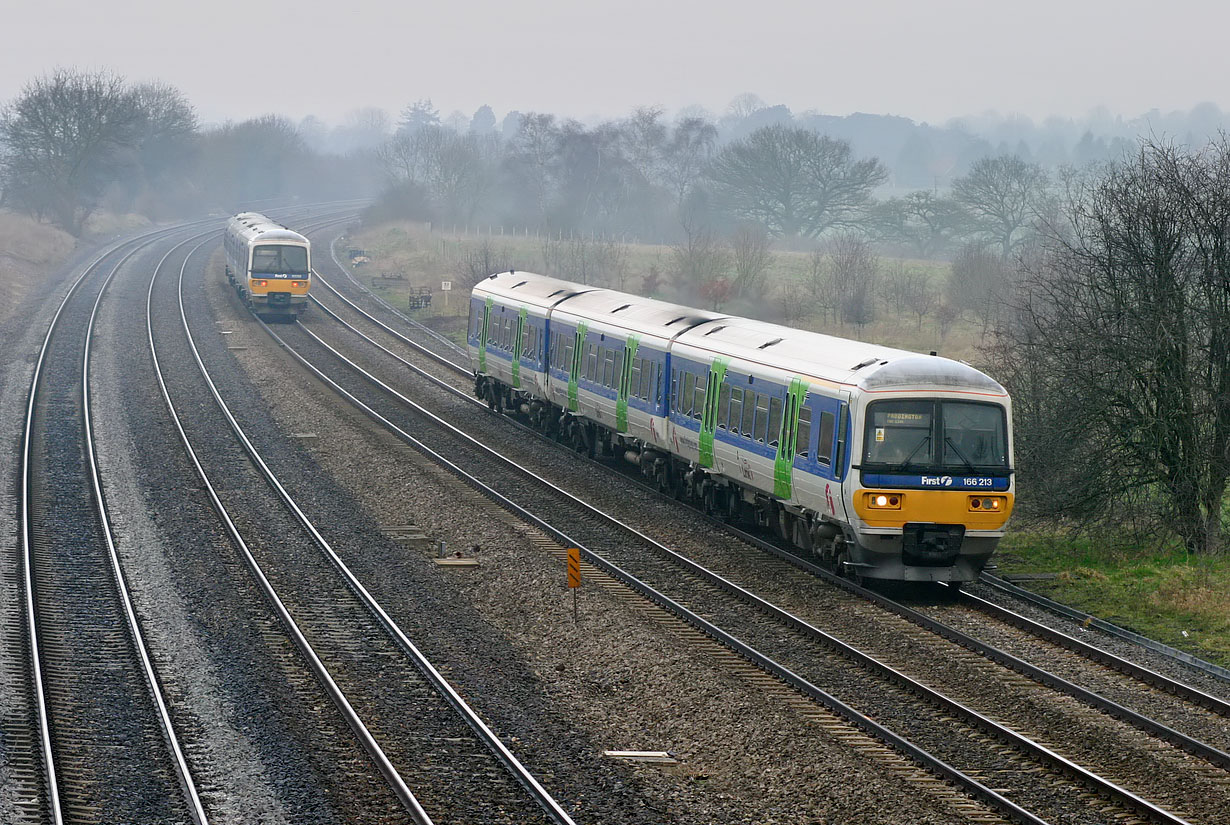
<point x="887" y="464"/>
<point x="269" y="266"/>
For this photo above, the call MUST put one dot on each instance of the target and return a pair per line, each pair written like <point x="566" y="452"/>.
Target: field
<point x="1178" y="599"/>
<point x="426" y="258"/>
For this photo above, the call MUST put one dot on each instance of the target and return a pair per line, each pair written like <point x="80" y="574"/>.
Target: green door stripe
<point x="625" y="378"/>
<point x="582" y="329"/>
<point x="482" y="339"/>
<point x="783" y="465"/>
<point x="708" y="417"/>
<point x="516" y="359"/>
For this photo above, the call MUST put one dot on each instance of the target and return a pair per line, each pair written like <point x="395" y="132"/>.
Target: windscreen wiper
<point x="926" y="439"/>
<point x="969" y="465"/>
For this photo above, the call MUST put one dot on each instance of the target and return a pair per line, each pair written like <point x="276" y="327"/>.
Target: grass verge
<point x="1166" y="594"/>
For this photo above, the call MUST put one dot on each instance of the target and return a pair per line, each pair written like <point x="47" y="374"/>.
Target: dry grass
<point x="427" y="258"/>
<point x="28" y="251"/>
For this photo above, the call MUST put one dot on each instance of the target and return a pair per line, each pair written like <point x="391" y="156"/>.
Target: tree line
<point x="75" y="142"/>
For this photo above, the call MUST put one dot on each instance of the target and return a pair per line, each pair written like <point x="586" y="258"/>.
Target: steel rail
<point x="889" y="737"/>
<point x="1173" y="686"/>
<point x="1088" y="620"/>
<point x="26" y="515"/>
<point x="181" y="764"/>
<point x="384" y="765"/>
<point x="1179" y="739"/>
<point x="420" y="661"/>
<point x="1025" y="623"/>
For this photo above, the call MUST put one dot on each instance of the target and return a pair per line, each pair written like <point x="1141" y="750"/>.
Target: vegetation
<point x="1162" y="592"/>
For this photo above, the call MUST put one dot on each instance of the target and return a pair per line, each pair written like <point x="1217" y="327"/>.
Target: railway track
<point x="1206" y="751"/>
<point x="107" y="748"/>
<point x="442" y="761"/>
<point x="1031" y="640"/>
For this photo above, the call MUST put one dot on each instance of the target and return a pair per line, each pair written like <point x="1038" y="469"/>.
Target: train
<point x="886" y="464"/>
<point x="269" y="266"/>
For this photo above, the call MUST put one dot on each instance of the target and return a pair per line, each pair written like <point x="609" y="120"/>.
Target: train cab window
<point x="761" y="425"/>
<point x="736" y="409"/>
<point x="271" y="259"/>
<point x="802" y="445"/>
<point x="723" y="405"/>
<point x="775" y="420"/>
<point x="824" y="446"/>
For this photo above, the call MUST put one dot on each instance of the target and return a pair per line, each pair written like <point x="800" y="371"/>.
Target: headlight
<point x="884" y="501"/>
<point x="989" y="504"/>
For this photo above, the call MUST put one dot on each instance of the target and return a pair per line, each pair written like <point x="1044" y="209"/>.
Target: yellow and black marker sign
<point x="574" y="567"/>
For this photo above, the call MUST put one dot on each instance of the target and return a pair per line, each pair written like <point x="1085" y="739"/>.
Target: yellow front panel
<point x="263" y="286"/>
<point x="934" y="506"/>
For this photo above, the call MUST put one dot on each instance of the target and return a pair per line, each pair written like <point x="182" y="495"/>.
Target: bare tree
<point x="480" y="260"/>
<point x="687" y="154"/>
<point x="794" y="181"/>
<point x="1002" y="195"/>
<point x="751" y="256"/>
<point x="66" y="138"/>
<point x="702" y="266"/>
<point x="855" y="270"/>
<point x="1119" y="353"/>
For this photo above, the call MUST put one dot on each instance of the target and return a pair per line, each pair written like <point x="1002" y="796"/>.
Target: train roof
<point x="647" y="316"/>
<point x="870" y="367"/>
<point x="255" y="226"/>
<point x="528" y="288"/>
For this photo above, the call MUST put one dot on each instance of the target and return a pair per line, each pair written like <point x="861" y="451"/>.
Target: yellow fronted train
<point x="269" y="266"/>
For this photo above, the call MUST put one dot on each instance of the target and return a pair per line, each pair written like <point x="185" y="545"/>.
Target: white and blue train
<point x="886" y="463"/>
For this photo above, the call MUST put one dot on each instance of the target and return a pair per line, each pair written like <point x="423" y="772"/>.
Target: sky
<point x="928" y="60"/>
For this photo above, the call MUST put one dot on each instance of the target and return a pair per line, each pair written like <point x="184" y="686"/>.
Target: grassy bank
<point x="28" y="251"/>
<point x="1179" y="599"/>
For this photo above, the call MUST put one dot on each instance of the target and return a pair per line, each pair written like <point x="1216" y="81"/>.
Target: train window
<point x="634" y="379"/>
<point x="689" y="390"/>
<point x="824" y="446"/>
<point x="698" y="398"/>
<point x="802" y="443"/>
<point x="617" y="376"/>
<point x="775" y="420"/>
<point x="761" y="426"/>
<point x="736" y="408"/>
<point x="723" y="404"/>
<point x="569" y="348"/>
<point x="526" y="336"/>
<point x="675" y="399"/>
<point x="749" y="410"/>
<point x="591" y="361"/>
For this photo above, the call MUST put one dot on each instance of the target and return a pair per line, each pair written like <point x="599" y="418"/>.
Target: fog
<point x="924" y="61"/>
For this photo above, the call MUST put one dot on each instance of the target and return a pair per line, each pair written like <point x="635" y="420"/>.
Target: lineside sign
<point x="574" y="567"/>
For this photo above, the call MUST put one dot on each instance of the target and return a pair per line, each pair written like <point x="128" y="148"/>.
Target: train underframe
<point x="833" y="542"/>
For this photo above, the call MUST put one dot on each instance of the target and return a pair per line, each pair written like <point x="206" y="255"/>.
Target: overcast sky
<point x="924" y="59"/>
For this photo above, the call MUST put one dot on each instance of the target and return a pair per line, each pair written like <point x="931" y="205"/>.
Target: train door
<point x="578" y="353"/>
<point x="482" y="336"/>
<point x="625" y="380"/>
<point x="787" y="440"/>
<point x="708" y="418"/>
<point x="516" y="349"/>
